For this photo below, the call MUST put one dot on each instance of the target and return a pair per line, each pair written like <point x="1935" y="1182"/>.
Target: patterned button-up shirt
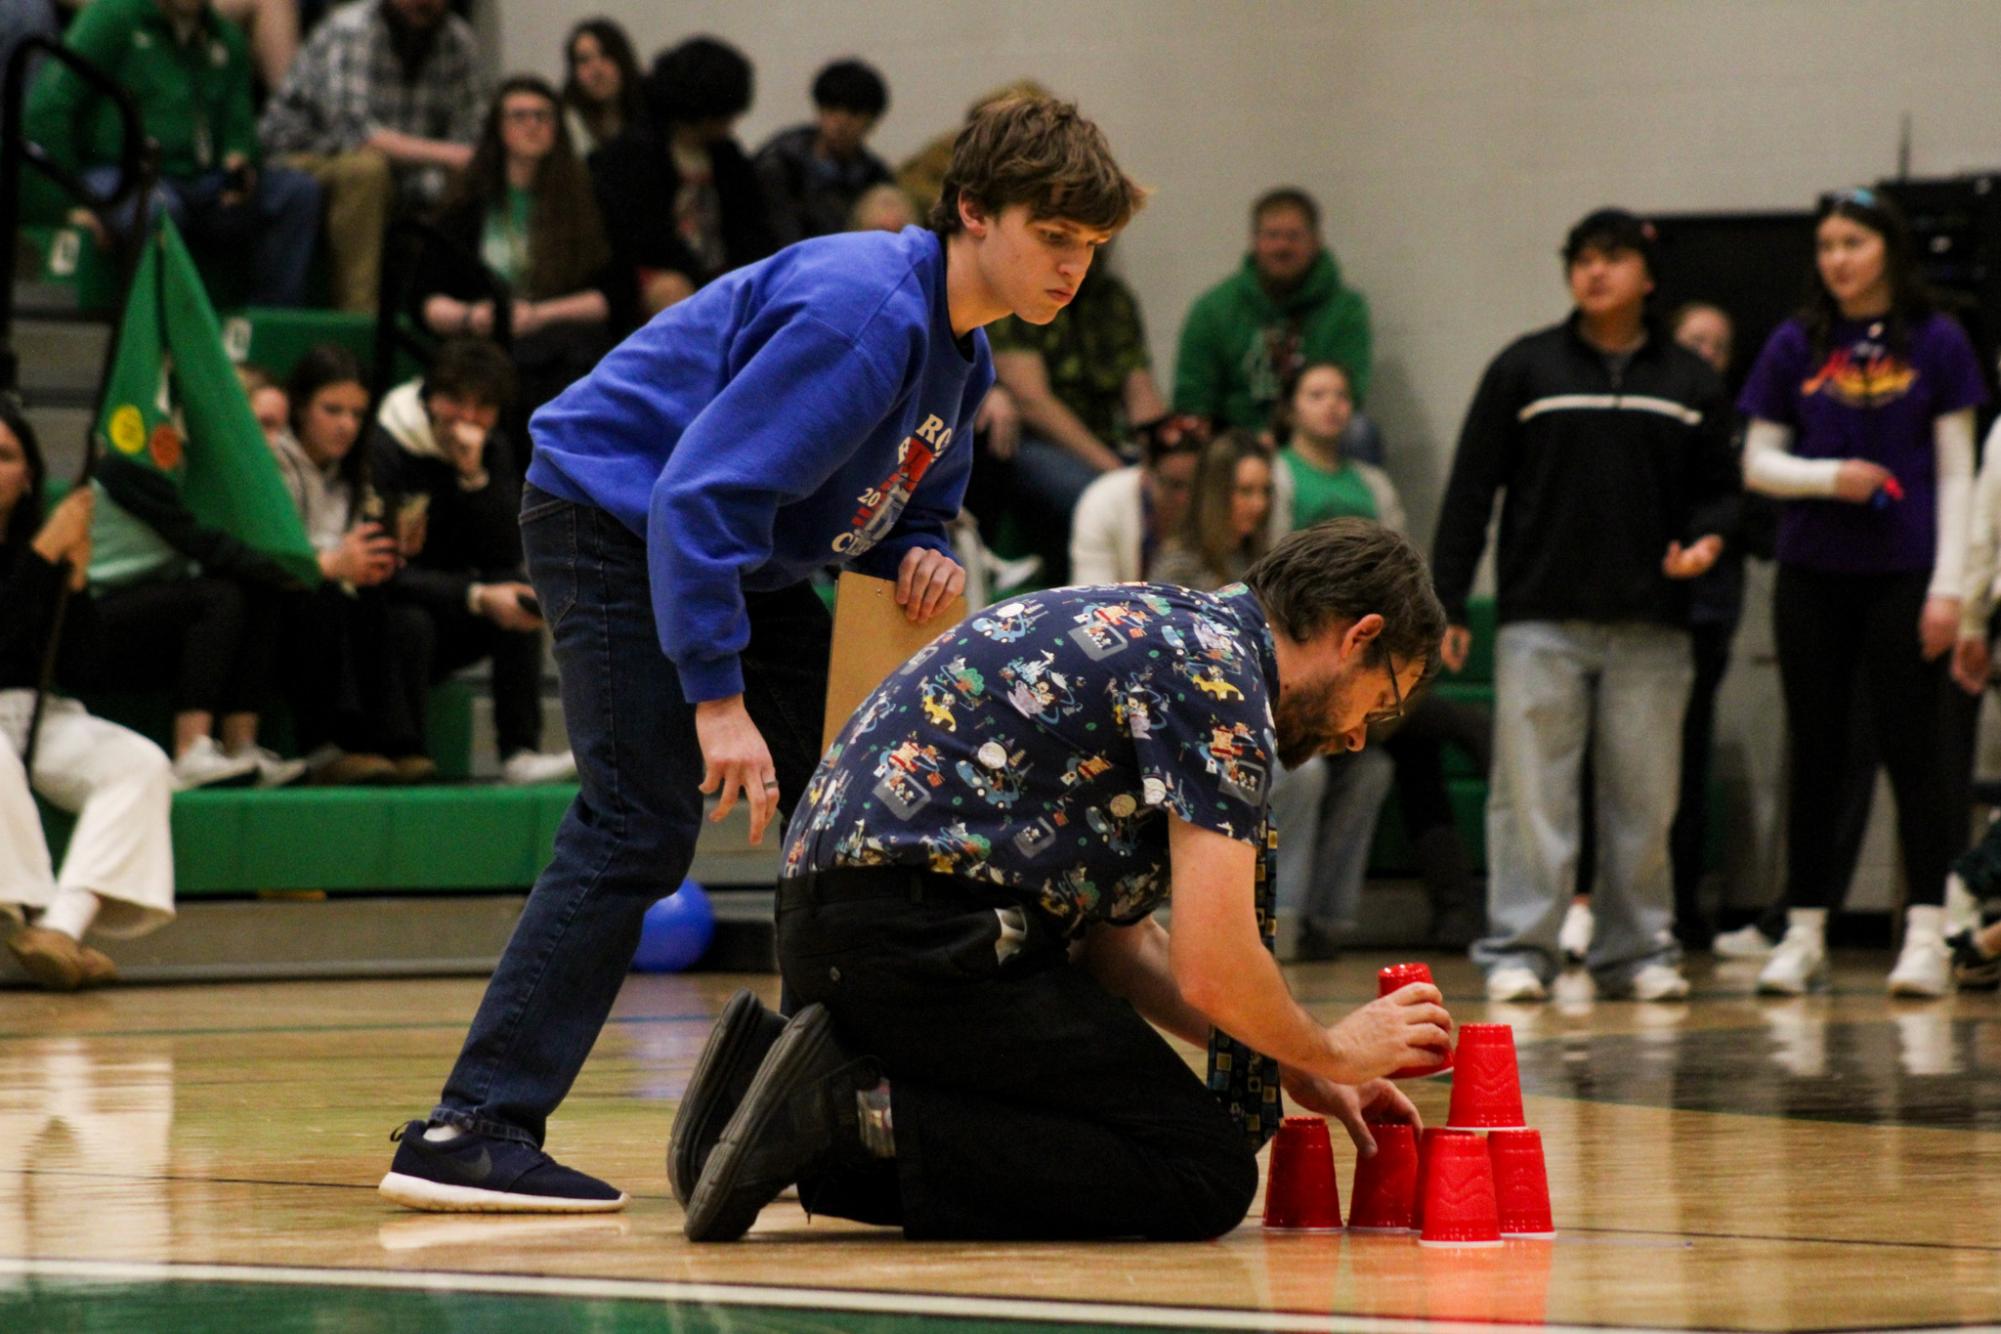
<point x="1042" y="745"/>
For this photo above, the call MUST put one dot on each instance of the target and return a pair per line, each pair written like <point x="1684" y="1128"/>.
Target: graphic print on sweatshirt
<point x="878" y="508"/>
<point x="1864" y="374"/>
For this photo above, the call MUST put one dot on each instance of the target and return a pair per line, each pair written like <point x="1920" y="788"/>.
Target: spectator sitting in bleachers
<point x="382" y="104"/>
<point x="445" y="472"/>
<point x="273" y="29"/>
<point x="1228" y="523"/>
<point x="603" y="95"/>
<point x="525" y="207"/>
<point x="1284" y="307"/>
<point x="187" y="70"/>
<point x="679" y="198"/>
<point x="358" y="670"/>
<point x="1323" y="484"/>
<point x="268" y="403"/>
<point x="813" y="174"/>
<point x="1126" y="517"/>
<point x="118" y="874"/>
<point x="882" y="208"/>
<point x="1081" y="382"/>
<point x="922" y="174"/>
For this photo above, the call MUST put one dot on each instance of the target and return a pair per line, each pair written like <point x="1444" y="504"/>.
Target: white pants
<point x="120" y="787"/>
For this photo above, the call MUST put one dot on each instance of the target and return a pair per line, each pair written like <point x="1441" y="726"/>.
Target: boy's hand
<point x="926" y="581"/>
<point x="734" y="757"/>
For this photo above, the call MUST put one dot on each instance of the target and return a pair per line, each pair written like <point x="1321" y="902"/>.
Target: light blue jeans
<point x="1621" y="688"/>
<point x="1326" y="813"/>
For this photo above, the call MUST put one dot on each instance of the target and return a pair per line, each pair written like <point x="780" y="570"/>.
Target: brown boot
<point x="51" y="958"/>
<point x="355" y="771"/>
<point x="98" y="970"/>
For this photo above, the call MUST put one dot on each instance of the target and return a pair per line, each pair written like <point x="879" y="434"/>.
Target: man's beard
<point x="1304" y="719"/>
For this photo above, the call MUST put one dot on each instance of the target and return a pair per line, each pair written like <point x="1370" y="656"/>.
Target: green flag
<point x="174" y="405"/>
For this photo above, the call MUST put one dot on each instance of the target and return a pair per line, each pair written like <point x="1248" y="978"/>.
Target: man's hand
<point x="1970" y="661"/>
<point x="65" y="534"/>
<point x="1408" y="1027"/>
<point x="501" y="604"/>
<point x="926" y="581"/>
<point x="1000" y="421"/>
<point x="1354" y="1107"/>
<point x="1695" y="559"/>
<point x="366" y="556"/>
<point x="1938" y="626"/>
<point x="1458" y="644"/>
<point x="230" y="164"/>
<point x="734" y="757"/>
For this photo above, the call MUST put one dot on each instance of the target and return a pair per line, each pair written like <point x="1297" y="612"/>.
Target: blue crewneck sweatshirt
<point x="812" y="409"/>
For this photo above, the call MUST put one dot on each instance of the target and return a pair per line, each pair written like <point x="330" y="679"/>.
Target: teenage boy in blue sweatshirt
<point x="813" y="409"/>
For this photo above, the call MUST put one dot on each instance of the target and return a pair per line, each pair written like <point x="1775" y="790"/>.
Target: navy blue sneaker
<point x="1973" y="969"/>
<point x="476" y="1174"/>
<point x="729" y="1060"/>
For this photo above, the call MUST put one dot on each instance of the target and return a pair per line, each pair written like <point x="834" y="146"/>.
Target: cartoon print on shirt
<point x="906" y="772"/>
<point x="1037" y="690"/>
<point x="1008" y="623"/>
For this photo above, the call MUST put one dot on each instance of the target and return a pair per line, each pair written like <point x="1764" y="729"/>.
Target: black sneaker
<point x="798" y="1119"/>
<point x="728" y="1063"/>
<point x="480" y="1174"/>
<point x="1973" y="970"/>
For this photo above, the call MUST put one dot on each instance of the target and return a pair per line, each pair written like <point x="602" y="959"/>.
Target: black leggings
<point x="212" y="642"/>
<point x="1844" y="637"/>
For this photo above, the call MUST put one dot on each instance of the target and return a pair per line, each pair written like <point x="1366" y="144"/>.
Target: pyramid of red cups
<point x="1475" y="1181"/>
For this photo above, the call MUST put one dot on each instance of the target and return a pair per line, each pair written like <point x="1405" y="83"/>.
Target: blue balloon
<point x="676" y="931"/>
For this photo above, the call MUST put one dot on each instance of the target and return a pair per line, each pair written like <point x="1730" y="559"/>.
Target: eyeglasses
<point x="1378" y="717"/>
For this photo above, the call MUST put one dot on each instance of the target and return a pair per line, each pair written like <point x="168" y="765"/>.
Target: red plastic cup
<point x="1486" y="1086"/>
<point x="1425" y="1144"/>
<point x="1521" y="1183"/>
<point x="1459" y="1207"/>
<point x="1300" y="1191"/>
<point x="1385" y="1198"/>
<point x="1394" y="978"/>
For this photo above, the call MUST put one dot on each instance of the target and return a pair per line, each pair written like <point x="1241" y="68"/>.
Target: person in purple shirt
<point x="809" y="410"/>
<point x="1861" y="422"/>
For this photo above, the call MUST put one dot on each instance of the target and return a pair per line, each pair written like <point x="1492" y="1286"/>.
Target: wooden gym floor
<point x="205" y="1157"/>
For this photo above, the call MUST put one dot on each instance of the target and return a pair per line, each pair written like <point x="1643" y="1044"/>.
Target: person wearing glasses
<point x="1609" y="446"/>
<point x="966" y="913"/>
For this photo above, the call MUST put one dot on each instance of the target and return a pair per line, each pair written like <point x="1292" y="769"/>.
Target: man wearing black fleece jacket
<point x="1611" y="446"/>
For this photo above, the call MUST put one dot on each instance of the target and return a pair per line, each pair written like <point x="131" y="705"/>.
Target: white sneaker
<point x="273" y="769"/>
<point x="204" y="765"/>
<point x="1658" y="982"/>
<point x="1574" y="936"/>
<point x="525" y="768"/>
<point x="1746" y="942"/>
<point x="1924" y="968"/>
<point x="1513" y="983"/>
<point x="1800" y="960"/>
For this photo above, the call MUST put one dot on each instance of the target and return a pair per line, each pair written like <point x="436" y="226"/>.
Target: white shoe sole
<point x="436" y="1197"/>
<point x="1914" y="990"/>
<point x="1812" y="982"/>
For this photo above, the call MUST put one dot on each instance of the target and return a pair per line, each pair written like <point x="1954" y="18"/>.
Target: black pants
<point x="1029" y="1102"/>
<point x="358" y="672"/>
<point x="444" y="640"/>
<point x="1843" y="634"/>
<point x="212" y="642"/>
<point x="1417" y="749"/>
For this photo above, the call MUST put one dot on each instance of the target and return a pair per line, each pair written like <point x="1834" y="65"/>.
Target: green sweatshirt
<point x="1226" y="369"/>
<point x="194" y="98"/>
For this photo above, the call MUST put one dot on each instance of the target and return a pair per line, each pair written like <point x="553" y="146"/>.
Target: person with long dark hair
<point x="1227" y="525"/>
<point x="117" y="876"/>
<point x="358" y="680"/>
<point x="1861" y="413"/>
<point x="525" y="207"/>
<point x="603" y="94"/>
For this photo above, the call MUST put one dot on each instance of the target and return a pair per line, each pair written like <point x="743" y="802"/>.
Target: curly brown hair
<point x="1040" y="152"/>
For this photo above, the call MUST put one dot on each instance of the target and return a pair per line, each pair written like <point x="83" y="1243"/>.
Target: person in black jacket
<point x="118" y="874"/>
<point x="451" y="485"/>
<point x="814" y="174"/>
<point x="680" y="199"/>
<point x="1611" y="446"/>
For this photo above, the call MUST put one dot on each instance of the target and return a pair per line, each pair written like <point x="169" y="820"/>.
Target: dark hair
<point x="850" y="85"/>
<point x="566" y="243"/>
<point x="26" y="519"/>
<point x="1286" y="196"/>
<point x="1176" y="433"/>
<point x="1343" y="569"/>
<point x="321" y="365"/>
<point x="1610" y="229"/>
<point x="1911" y="298"/>
<point x="1206" y="529"/>
<point x="701" y="79"/>
<point x="1281" y="412"/>
<point x="611" y="39"/>
<point x="1039" y="152"/>
<point x="471" y="368"/>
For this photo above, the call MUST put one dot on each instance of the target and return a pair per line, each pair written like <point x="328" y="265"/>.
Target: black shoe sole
<point x="724" y="1202"/>
<point x="729" y="1060"/>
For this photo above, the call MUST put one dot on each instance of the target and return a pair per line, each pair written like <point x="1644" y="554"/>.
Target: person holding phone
<point x="452" y="480"/>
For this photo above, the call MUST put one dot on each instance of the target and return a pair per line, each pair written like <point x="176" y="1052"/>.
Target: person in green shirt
<point x="1325" y="483"/>
<point x="187" y="69"/>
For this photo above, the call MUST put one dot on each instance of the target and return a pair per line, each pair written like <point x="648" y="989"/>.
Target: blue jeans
<point x="629" y="836"/>
<point x="1558" y="686"/>
<point x="276" y="226"/>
